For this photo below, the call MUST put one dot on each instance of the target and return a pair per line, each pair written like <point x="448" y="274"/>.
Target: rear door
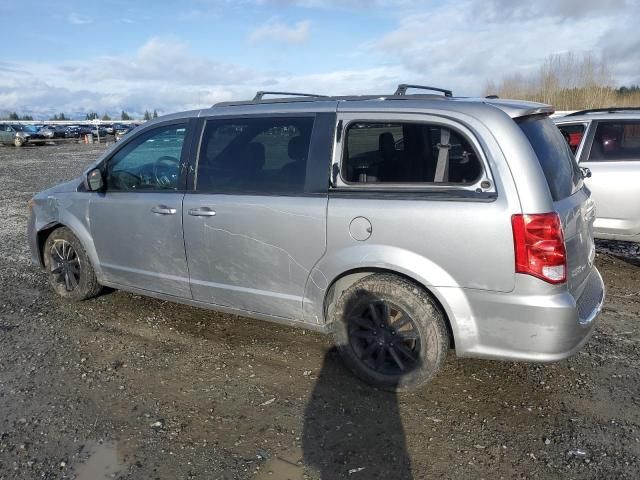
<point x="255" y="224"/>
<point x="613" y="156"/>
<point x="571" y="200"/>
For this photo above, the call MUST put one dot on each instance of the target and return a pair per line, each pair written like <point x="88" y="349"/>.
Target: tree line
<point x="89" y="116"/>
<point x="568" y="82"/>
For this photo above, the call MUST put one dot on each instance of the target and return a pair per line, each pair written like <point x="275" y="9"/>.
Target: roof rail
<point x="603" y="110"/>
<point x="261" y="94"/>
<point x="402" y="89"/>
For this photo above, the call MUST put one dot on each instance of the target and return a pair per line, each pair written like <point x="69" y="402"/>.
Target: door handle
<point x="163" y="210"/>
<point x="202" y="212"/>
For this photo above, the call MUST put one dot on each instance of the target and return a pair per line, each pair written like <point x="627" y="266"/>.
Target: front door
<point x="136" y="224"/>
<point x="614" y="161"/>
<point x="6" y="133"/>
<point x="255" y="224"/>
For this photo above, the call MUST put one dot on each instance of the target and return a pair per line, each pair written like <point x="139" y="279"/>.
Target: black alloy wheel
<point x="384" y="337"/>
<point x="65" y="265"/>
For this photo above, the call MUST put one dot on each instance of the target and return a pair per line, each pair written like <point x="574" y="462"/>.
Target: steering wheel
<point x="165" y="171"/>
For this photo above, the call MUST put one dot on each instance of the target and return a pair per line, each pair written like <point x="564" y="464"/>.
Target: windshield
<point x="558" y="163"/>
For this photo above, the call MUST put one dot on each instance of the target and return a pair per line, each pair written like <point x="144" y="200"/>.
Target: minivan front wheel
<point x="390" y="332"/>
<point x="69" y="270"/>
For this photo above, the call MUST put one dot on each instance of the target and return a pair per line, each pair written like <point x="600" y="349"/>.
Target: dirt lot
<point x="123" y="386"/>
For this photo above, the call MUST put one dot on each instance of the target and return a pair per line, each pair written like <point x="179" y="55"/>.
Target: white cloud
<point x="463" y="44"/>
<point x="276" y="31"/>
<point x="459" y="45"/>
<point x="77" y="19"/>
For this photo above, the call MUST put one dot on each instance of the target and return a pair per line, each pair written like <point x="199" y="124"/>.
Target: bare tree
<point x="567" y="81"/>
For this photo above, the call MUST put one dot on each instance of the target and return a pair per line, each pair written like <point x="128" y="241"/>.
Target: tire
<point x="412" y="334"/>
<point x="18" y="142"/>
<point x="68" y="267"/>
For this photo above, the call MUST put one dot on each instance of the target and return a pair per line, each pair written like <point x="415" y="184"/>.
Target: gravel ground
<point x="124" y="386"/>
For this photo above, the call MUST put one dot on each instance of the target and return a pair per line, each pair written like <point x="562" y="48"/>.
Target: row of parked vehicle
<point x="402" y="225"/>
<point x="20" y="134"/>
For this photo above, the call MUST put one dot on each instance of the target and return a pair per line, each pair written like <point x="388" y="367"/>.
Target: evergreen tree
<point x="27" y="117"/>
<point x="14" y="116"/>
<point x="91" y="116"/>
<point x="155" y="113"/>
<point x="147" y="115"/>
<point x="106" y="117"/>
<point x="124" y="116"/>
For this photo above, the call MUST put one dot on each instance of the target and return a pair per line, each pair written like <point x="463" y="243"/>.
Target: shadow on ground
<point x="352" y="430"/>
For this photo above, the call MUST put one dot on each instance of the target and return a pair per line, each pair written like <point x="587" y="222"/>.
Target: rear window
<point x="573" y="134"/>
<point x="408" y="152"/>
<point x="616" y="141"/>
<point x="557" y="162"/>
<point x="254" y="155"/>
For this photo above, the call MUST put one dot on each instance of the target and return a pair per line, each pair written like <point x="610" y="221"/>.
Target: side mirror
<point x="586" y="173"/>
<point x="95" y="181"/>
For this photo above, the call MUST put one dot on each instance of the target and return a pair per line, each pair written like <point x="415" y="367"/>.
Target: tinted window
<point x="573" y="135"/>
<point x="557" y="162"/>
<point x="150" y="161"/>
<point x="407" y="153"/>
<point x="615" y="141"/>
<point x="254" y="155"/>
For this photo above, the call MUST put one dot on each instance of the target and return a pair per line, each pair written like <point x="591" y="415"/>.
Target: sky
<point x="77" y="56"/>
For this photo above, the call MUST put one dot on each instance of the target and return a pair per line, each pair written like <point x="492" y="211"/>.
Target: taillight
<point x="539" y="246"/>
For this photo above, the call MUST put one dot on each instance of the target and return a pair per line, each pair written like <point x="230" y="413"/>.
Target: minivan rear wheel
<point x="68" y="267"/>
<point x="390" y="332"/>
<point x="18" y="141"/>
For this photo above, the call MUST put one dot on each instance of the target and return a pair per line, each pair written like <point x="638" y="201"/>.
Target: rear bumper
<point x="539" y="328"/>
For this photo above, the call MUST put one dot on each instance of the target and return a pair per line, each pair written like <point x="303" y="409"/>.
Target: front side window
<point x="150" y="161"/>
<point x="408" y="153"/>
<point x="573" y="134"/>
<point x="254" y="155"/>
<point x="616" y="141"/>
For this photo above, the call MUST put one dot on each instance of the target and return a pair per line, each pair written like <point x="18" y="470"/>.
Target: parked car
<point x="85" y="130"/>
<point x="98" y="131"/>
<point x="108" y="128"/>
<point x="52" y="131"/>
<point x="72" y="131"/>
<point x="306" y="211"/>
<point x="19" y="134"/>
<point x="607" y="143"/>
<point x="122" y="130"/>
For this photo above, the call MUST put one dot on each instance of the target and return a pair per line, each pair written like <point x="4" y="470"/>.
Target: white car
<point x="607" y="142"/>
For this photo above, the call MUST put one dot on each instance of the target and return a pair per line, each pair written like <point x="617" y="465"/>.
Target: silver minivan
<point x="403" y="225"/>
<point x="606" y="141"/>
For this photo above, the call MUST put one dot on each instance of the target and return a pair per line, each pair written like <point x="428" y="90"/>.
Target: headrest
<point x="386" y="142"/>
<point x="297" y="148"/>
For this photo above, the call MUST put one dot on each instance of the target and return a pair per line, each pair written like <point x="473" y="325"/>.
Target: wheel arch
<point x="347" y="278"/>
<point x="41" y="238"/>
<point x="85" y="240"/>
